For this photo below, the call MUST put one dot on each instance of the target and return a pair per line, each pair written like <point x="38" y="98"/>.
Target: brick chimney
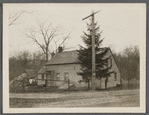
<point x="60" y="49"/>
<point x="52" y="54"/>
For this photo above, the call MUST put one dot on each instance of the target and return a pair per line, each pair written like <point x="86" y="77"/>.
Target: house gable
<point x="31" y="73"/>
<point x="114" y="60"/>
<point x="114" y="64"/>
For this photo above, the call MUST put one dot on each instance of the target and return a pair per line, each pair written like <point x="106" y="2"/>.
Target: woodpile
<point x="19" y="83"/>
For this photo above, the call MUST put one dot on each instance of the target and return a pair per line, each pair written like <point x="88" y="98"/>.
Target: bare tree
<point x="62" y="43"/>
<point x="43" y="36"/>
<point x="13" y="18"/>
<point x="132" y="65"/>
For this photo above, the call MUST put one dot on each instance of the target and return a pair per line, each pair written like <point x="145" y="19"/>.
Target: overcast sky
<point x="120" y="24"/>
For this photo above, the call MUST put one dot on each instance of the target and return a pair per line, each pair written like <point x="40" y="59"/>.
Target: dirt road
<point x="120" y="98"/>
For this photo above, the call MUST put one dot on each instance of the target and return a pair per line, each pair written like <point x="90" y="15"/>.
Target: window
<point x="107" y="64"/>
<point x="107" y="79"/>
<point x="66" y="76"/>
<point x="49" y="75"/>
<point x="115" y="76"/>
<point x="57" y="76"/>
<point x="49" y="72"/>
<point x="42" y="76"/>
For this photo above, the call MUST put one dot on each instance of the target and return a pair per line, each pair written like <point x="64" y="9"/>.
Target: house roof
<point x="66" y="57"/>
<point x="31" y="73"/>
<point x="42" y="70"/>
<point x="69" y="57"/>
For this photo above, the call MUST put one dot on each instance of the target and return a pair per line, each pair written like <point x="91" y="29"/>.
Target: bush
<point x="18" y="84"/>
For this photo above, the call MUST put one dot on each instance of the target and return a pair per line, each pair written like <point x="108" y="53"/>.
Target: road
<point x="120" y="98"/>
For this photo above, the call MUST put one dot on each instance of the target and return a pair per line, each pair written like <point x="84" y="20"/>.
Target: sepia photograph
<point x="74" y="57"/>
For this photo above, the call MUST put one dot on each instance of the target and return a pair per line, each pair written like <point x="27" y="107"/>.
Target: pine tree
<point x="85" y="56"/>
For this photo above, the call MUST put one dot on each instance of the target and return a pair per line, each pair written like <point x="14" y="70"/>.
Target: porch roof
<point x="42" y="70"/>
<point x="31" y="73"/>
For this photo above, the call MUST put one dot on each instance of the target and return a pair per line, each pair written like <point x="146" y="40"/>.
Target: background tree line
<point x="128" y="62"/>
<point x="25" y="60"/>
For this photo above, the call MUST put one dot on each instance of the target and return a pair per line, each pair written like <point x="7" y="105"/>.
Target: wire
<point x="118" y="29"/>
<point x="100" y="24"/>
<point x="21" y="44"/>
<point x="68" y="18"/>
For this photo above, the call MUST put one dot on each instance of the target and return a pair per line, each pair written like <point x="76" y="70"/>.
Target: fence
<point x="48" y="82"/>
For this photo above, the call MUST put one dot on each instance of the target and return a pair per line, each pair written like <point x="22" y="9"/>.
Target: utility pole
<point x="93" y="50"/>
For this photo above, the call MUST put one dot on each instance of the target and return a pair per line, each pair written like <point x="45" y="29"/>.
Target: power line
<point x="21" y="44"/>
<point x="68" y="18"/>
<point x="118" y="29"/>
<point x="100" y="24"/>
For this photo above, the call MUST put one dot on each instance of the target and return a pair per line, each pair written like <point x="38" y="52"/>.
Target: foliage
<point x="18" y="83"/>
<point x="24" y="60"/>
<point x="85" y="56"/>
<point x="129" y="63"/>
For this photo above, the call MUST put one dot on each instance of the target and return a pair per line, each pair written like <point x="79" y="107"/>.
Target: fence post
<point x="68" y="84"/>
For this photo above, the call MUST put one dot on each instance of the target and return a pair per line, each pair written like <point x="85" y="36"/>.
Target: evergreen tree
<point x="85" y="56"/>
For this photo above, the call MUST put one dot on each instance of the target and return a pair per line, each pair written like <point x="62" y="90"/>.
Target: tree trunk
<point x="47" y="54"/>
<point x="128" y="83"/>
<point x="68" y="84"/>
<point x="106" y="83"/>
<point x="88" y="84"/>
<point x="100" y="82"/>
<point x="120" y="81"/>
<point x="46" y="57"/>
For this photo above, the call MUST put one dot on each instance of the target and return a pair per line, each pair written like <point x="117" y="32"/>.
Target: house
<point x="30" y="75"/>
<point x="64" y="65"/>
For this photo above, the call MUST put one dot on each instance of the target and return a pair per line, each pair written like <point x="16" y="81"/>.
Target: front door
<point x="66" y="77"/>
<point x="50" y="78"/>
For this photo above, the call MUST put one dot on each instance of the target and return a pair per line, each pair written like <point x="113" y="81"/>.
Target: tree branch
<point x="32" y="36"/>
<point x="16" y="16"/>
<point x="65" y="39"/>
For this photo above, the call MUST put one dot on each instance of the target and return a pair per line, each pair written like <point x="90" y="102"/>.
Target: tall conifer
<point x="85" y="56"/>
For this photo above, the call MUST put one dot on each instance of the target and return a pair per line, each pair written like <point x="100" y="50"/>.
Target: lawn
<point x="41" y="89"/>
<point x="119" y="98"/>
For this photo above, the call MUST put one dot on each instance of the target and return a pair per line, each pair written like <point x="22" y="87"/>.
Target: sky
<point x="120" y="24"/>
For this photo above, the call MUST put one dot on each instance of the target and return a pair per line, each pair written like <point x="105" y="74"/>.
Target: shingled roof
<point x="42" y="70"/>
<point x="31" y="73"/>
<point x="66" y="57"/>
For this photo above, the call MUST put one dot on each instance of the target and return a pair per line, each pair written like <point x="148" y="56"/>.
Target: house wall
<point x="40" y="80"/>
<point x="71" y="69"/>
<point x="111" y="82"/>
<point x="113" y="68"/>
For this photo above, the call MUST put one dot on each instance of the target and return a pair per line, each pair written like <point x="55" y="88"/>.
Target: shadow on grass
<point x="41" y="89"/>
<point x="122" y="87"/>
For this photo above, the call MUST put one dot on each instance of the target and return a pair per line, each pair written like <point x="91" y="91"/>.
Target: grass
<point x="121" y="98"/>
<point x="41" y="89"/>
